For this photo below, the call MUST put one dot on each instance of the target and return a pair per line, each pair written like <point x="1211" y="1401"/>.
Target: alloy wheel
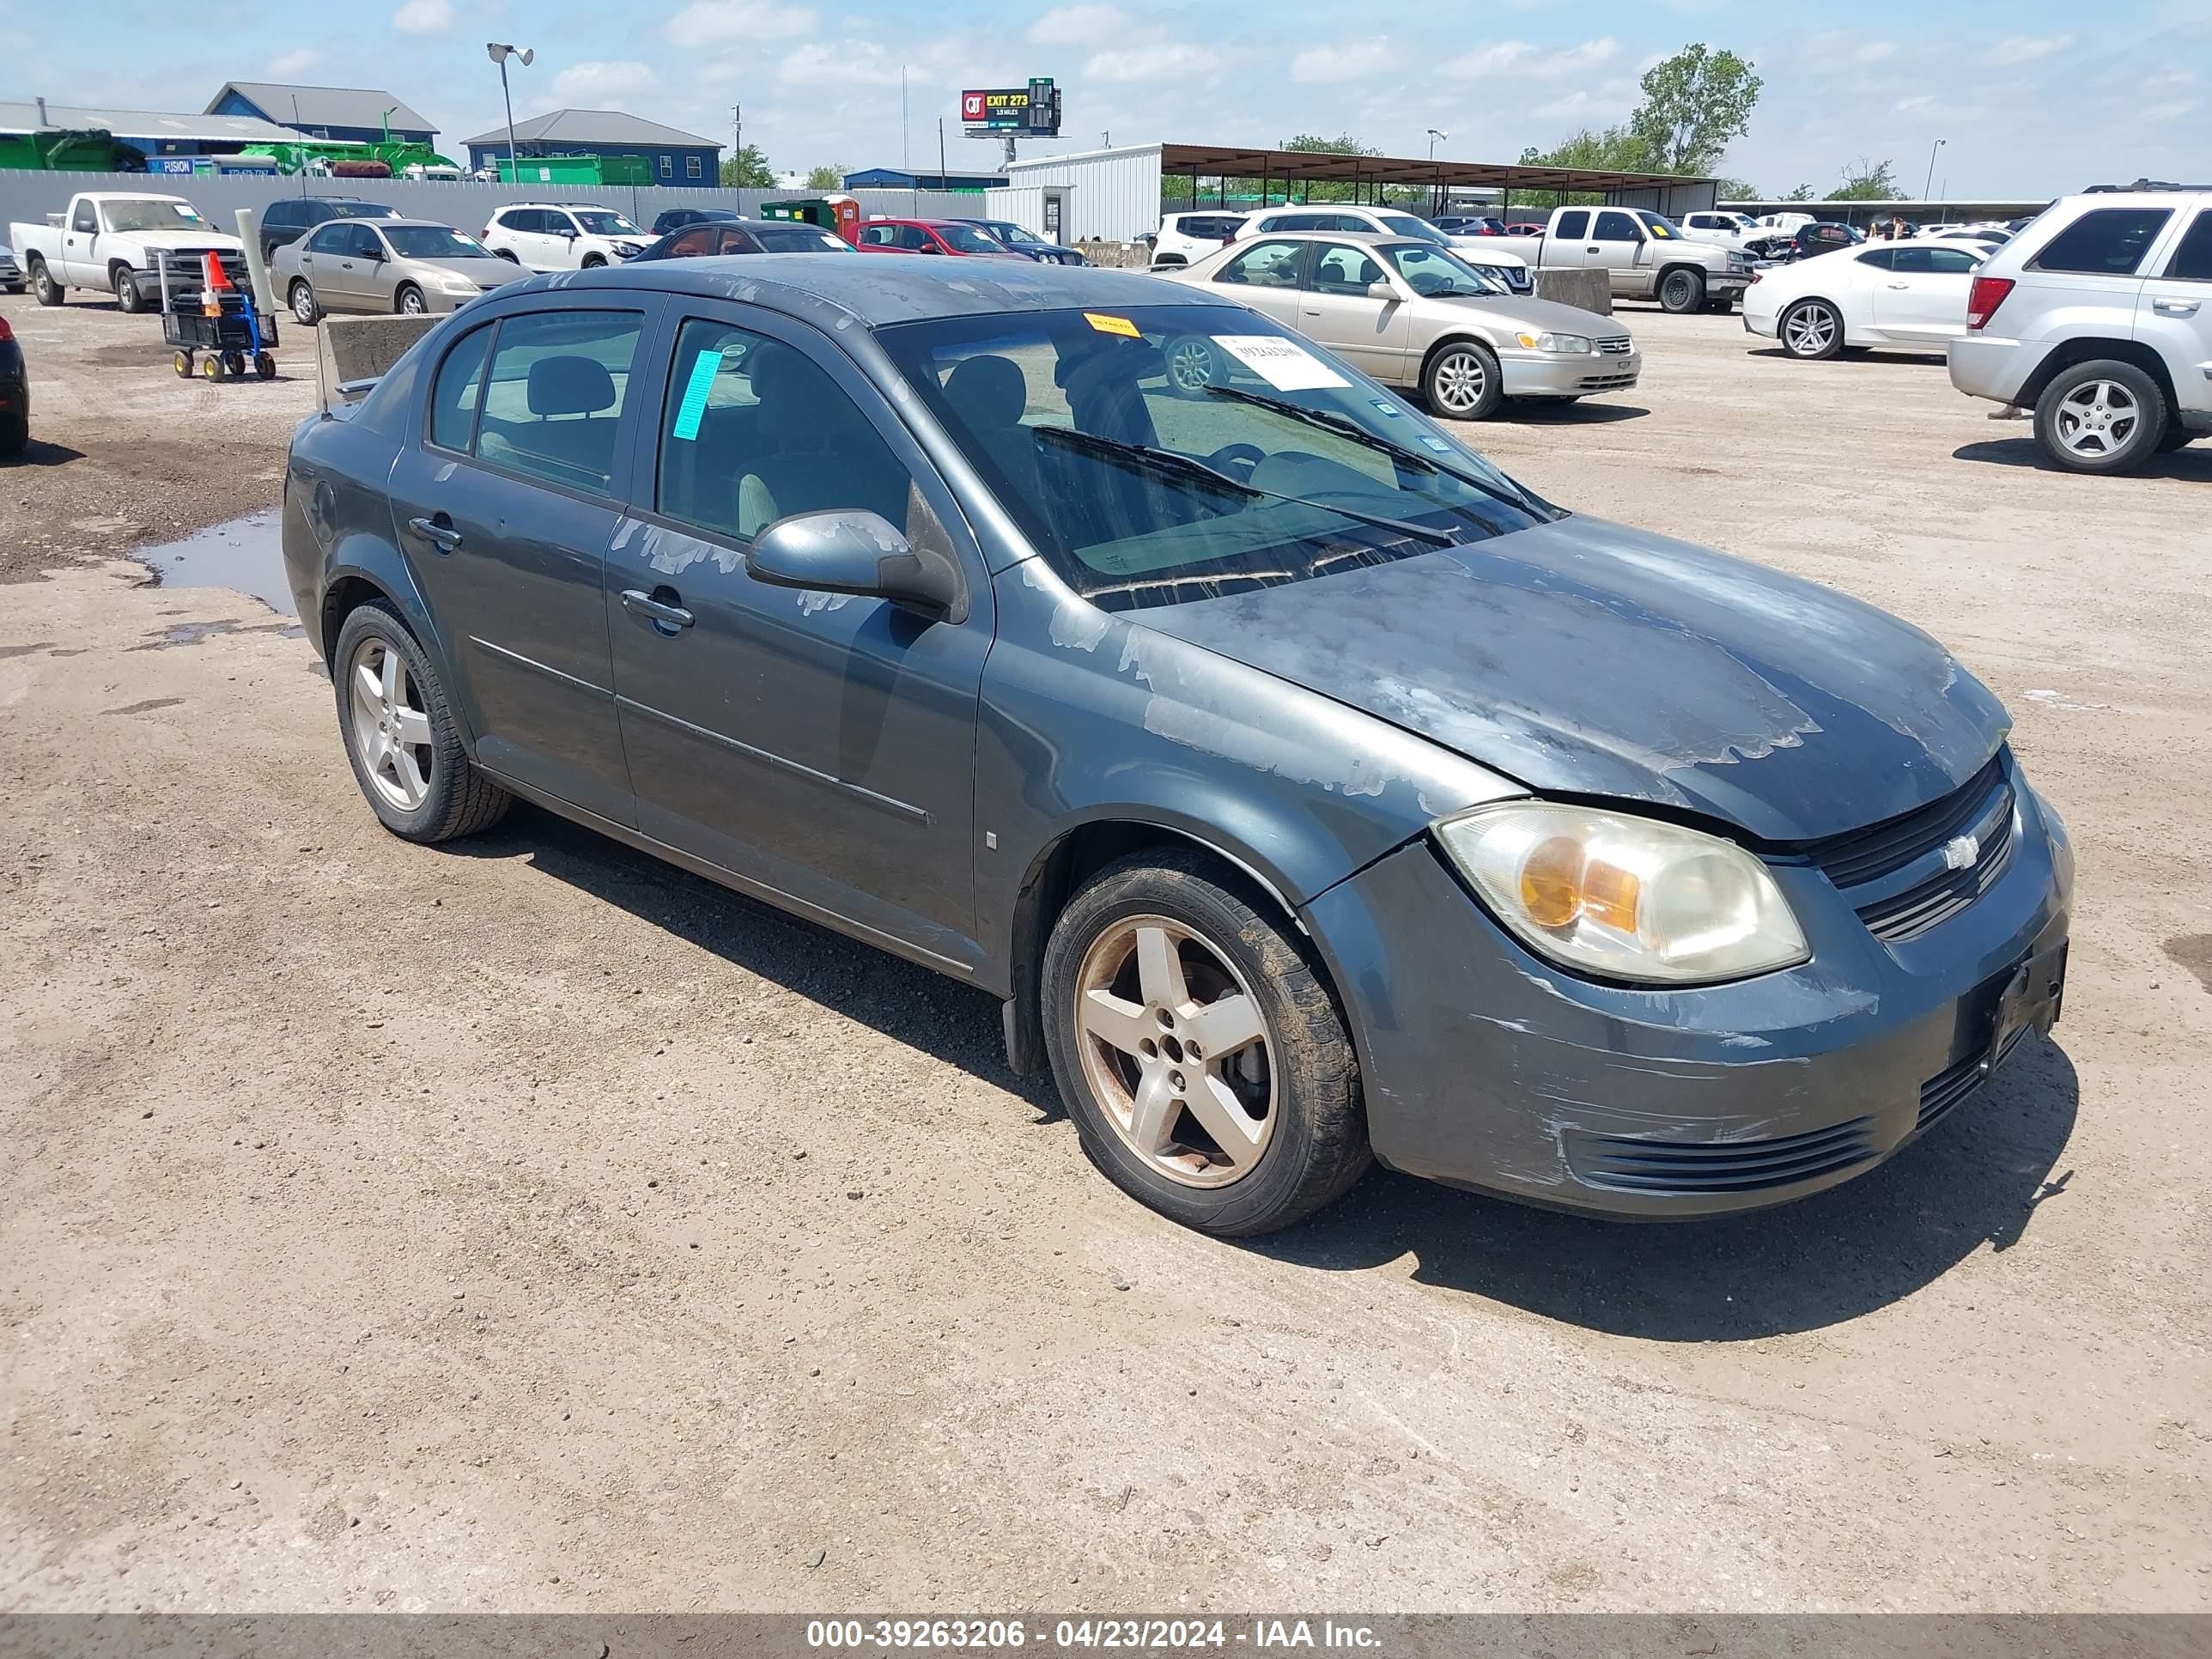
<point x="390" y="728"/>
<point x="411" y="302"/>
<point x="303" y="304"/>
<point x="1461" y="381"/>
<point x="1176" y="1051"/>
<point x="1190" y="366"/>
<point x="2097" y="419"/>
<point x="1810" y="331"/>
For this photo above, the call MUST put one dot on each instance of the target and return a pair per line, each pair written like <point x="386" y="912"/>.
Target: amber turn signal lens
<point x="1551" y="882"/>
<point x="1610" y="895"/>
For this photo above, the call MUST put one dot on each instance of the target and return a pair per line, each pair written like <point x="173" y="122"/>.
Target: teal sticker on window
<point x="1438" y="445"/>
<point x="1387" y="408"/>
<point x="694" y="406"/>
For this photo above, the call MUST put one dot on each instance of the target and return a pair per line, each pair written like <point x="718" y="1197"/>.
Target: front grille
<point x="1628" y="1164"/>
<point x="1616" y="345"/>
<point x="1899" y="876"/>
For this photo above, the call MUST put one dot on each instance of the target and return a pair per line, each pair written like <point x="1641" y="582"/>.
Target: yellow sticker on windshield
<point x="1105" y="324"/>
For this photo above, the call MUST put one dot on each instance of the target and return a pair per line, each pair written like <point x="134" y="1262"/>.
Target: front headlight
<point x="1625" y="898"/>
<point x="459" y="287"/>
<point x="1570" y="344"/>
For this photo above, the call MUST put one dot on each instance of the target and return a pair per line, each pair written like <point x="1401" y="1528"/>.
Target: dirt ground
<point x="527" y="1225"/>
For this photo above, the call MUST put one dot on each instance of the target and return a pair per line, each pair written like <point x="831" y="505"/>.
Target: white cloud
<point x="601" y="85"/>
<point x="1518" y="57"/>
<point x="1079" y="26"/>
<point x="706" y="22"/>
<point x="2026" y="48"/>
<point x="1874" y="52"/>
<point x="424" y="17"/>
<point x="1165" y="58"/>
<point x="296" y="62"/>
<point x="1918" y="101"/>
<point x="1321" y="65"/>
<point x="847" y="62"/>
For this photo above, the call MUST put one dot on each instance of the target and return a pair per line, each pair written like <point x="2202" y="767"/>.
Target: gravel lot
<point x="526" y="1225"/>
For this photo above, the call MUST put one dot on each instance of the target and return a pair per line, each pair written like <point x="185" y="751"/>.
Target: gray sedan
<point x="1416" y="315"/>
<point x="1305" y="790"/>
<point x="408" y="265"/>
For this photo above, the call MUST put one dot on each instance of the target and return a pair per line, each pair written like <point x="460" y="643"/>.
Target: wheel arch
<point x="1463" y="335"/>
<point x="2089" y="349"/>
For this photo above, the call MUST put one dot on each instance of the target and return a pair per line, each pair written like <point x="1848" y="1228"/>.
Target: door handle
<point x="438" y="531"/>
<point x="1897" y="285"/>
<point x="1593" y="250"/>
<point x="2174" y="308"/>
<point x="663" y="615"/>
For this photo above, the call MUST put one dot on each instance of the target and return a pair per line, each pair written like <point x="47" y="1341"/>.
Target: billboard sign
<point x="1032" y="110"/>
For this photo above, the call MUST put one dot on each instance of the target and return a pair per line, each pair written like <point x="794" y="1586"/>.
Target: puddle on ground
<point x="245" y="556"/>
<point x="193" y="633"/>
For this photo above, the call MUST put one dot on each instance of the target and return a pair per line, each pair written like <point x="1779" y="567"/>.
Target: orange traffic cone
<point x="211" y="292"/>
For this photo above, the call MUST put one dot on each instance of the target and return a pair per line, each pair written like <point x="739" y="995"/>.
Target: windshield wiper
<point x="1170" y="463"/>
<point x="1329" y="421"/>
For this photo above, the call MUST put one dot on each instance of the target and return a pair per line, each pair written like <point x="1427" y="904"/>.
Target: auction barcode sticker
<point x="1282" y="364"/>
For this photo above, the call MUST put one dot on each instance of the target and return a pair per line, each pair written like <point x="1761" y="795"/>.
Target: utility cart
<point x="207" y="313"/>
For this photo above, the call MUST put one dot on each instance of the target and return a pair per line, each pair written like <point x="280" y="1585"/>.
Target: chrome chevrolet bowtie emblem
<point x="1960" y="852"/>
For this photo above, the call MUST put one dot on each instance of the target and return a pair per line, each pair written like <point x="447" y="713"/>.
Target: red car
<point x="1524" y="230"/>
<point x="929" y="236"/>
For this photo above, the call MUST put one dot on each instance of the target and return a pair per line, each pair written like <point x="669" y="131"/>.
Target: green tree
<point x="1694" y="105"/>
<point x="1738" y="189"/>
<point x="1323" y="190"/>
<point x="748" y="170"/>
<point x="1616" y="150"/>
<point x="1868" y="181"/>
<point x="829" y="178"/>
<point x="1803" y="193"/>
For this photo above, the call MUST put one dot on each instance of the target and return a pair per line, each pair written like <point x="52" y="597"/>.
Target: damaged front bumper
<point x="1483" y="1065"/>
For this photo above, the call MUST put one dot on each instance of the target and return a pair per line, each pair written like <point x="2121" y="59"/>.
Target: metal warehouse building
<point x="1118" y="194"/>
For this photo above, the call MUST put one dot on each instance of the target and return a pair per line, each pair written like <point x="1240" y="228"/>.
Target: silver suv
<point x="2098" y="317"/>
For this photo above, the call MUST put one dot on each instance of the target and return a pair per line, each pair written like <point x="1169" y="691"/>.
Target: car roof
<point x="588" y="207"/>
<point x="739" y="222"/>
<point x="411" y="223"/>
<point x="882" y="290"/>
<point x="1370" y="238"/>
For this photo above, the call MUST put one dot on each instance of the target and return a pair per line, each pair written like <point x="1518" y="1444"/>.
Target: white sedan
<point x="1897" y="294"/>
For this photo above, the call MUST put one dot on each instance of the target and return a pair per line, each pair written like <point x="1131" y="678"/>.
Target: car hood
<point x="1505" y="258"/>
<point x="1536" y="316"/>
<point x="193" y="239"/>
<point x="1583" y="658"/>
<point x="485" y="273"/>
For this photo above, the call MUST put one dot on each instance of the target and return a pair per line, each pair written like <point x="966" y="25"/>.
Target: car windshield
<point x="799" y="239"/>
<point x="149" y="214"/>
<point x="433" y="242"/>
<point x="1405" y="224"/>
<point x="1659" y="225"/>
<point x="598" y="222"/>
<point x="1436" y="273"/>
<point x="1011" y="233"/>
<point x="967" y="239"/>
<point x="1165" y="453"/>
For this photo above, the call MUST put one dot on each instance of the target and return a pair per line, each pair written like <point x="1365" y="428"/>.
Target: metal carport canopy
<point x="1210" y="160"/>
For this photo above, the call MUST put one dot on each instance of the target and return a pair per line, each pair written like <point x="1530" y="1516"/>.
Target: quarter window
<point x="2106" y="242"/>
<point x="754" y="430"/>
<point x="553" y="400"/>
<point x="2192" y="260"/>
<point x="1882" y="259"/>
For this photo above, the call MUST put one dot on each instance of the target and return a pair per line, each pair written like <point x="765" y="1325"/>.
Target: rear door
<point x="1336" y="309"/>
<point x="2098" y="259"/>
<point x="820" y="746"/>
<point x="324" y="263"/>
<point x="2174" y="314"/>
<point x="1615" y="241"/>
<point x="1266" y="275"/>
<point x="505" y="511"/>
<point x="1923" y="295"/>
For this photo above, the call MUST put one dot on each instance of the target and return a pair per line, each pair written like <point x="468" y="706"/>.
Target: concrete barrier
<point x="362" y="348"/>
<point x="1117" y="256"/>
<point x="1590" y="289"/>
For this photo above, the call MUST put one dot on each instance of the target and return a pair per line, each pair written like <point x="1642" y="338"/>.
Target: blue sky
<point x="2033" y="97"/>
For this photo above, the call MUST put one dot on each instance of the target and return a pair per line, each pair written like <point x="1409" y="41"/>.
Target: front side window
<point x="754" y="430"/>
<point x="553" y="400"/>
<point x="1346" y="271"/>
<point x="912" y="237"/>
<point x="1575" y="224"/>
<point x="2192" y="260"/>
<point x="366" y="244"/>
<point x="1270" y="464"/>
<point x="966" y="239"/>
<point x="1264" y="264"/>
<point x="2105" y="242"/>
<point x="84" y="221"/>
<point x="1615" y="227"/>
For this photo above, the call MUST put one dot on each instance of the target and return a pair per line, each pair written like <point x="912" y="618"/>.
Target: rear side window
<point x="754" y="430"/>
<point x="2105" y="242"/>
<point x="2192" y="260"/>
<point x="1269" y="265"/>
<point x="553" y="397"/>
<point x="1575" y="225"/>
<point x="281" y="214"/>
<point x="459" y="386"/>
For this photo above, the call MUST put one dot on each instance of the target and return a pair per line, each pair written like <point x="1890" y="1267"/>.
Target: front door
<point x="820" y="746"/>
<point x="1923" y="295"/>
<point x="1335" y="310"/>
<point x="80" y="261"/>
<point x="1615" y="241"/>
<point x="505" y="511"/>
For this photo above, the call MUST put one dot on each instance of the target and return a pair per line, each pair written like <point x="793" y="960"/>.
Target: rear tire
<point x="305" y="306"/>
<point x="50" y="292"/>
<point x="15" y="434"/>
<point x="1682" y="290"/>
<point x="1292" y="1090"/>
<point x="2101" y="416"/>
<point x="2178" y="437"/>
<point x="453" y="798"/>
<point x="1461" y="382"/>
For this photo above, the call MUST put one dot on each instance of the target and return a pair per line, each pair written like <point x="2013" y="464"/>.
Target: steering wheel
<point x="1247" y="456"/>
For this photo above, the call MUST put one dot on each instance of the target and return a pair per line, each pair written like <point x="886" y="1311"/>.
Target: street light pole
<point x="1930" y="184"/>
<point x="1436" y="133"/>
<point x="498" y="54"/>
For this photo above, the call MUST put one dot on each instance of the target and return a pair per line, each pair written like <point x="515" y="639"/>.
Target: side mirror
<point x="1380" y="289"/>
<point x="847" y="551"/>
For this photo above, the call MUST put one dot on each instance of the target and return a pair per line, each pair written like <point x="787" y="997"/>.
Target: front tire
<point x="400" y="735"/>
<point x="593" y="261"/>
<point x="1461" y="382"/>
<point x="1201" y="1055"/>
<point x="409" y="301"/>
<point x="43" y="284"/>
<point x="1682" y="290"/>
<point x="1812" y="330"/>
<point x="2101" y="416"/>
<point x="126" y="291"/>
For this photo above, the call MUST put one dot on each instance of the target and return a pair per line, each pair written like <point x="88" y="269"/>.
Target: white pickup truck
<point x="106" y="240"/>
<point x="1646" y="254"/>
